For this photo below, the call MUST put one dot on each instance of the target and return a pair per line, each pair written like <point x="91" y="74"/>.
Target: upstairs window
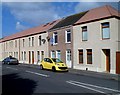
<point x="32" y="41"/>
<point x="23" y="42"/>
<point x="68" y="36"/>
<point x="29" y="41"/>
<point x="39" y="40"/>
<point x="55" y="38"/>
<point x="105" y="30"/>
<point x="15" y="43"/>
<point x="84" y="33"/>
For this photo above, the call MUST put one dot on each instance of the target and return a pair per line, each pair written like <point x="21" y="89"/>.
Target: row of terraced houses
<point x="88" y="40"/>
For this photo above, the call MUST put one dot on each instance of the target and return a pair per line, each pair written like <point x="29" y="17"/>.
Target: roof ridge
<point x="107" y="6"/>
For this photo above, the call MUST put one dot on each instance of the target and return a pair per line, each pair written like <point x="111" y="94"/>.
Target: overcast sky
<point x="23" y="15"/>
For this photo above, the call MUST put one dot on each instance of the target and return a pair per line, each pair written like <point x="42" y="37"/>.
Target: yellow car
<point x="53" y="64"/>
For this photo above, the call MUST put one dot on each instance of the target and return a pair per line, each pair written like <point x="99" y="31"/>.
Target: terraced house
<point x="29" y="46"/>
<point x="61" y="45"/>
<point x="87" y="41"/>
<point x="96" y="42"/>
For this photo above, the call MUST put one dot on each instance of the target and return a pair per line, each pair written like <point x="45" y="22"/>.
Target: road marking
<point x="97" y="86"/>
<point x="38" y="74"/>
<point x="85" y="87"/>
<point x="12" y="68"/>
<point x="85" y="84"/>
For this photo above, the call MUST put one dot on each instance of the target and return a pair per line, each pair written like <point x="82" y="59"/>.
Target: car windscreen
<point x="13" y="59"/>
<point x="57" y="60"/>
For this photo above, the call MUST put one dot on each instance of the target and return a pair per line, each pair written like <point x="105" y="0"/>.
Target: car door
<point x="49" y="63"/>
<point x="44" y="63"/>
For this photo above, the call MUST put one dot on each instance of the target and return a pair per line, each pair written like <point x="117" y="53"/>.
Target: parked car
<point x="53" y="64"/>
<point x="10" y="60"/>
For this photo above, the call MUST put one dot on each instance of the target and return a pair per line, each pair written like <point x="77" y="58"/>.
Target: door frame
<point x="107" y="59"/>
<point x="118" y="62"/>
<point x="70" y="62"/>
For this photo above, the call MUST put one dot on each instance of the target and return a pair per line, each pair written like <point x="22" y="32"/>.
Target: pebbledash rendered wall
<point x="96" y="43"/>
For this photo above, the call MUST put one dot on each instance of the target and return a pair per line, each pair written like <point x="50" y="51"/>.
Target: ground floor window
<point x="80" y="56"/>
<point x="42" y="55"/>
<point x="38" y="56"/>
<point x="24" y="55"/>
<point x="58" y="54"/>
<point x="89" y="56"/>
<point x="52" y="54"/>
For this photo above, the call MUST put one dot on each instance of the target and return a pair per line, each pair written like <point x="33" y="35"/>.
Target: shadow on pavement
<point x="12" y="84"/>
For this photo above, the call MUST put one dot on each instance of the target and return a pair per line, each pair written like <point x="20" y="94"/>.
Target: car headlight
<point x="58" y="64"/>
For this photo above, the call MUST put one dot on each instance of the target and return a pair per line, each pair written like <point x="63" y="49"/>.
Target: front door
<point x="107" y="59"/>
<point x="29" y="57"/>
<point x="118" y="62"/>
<point x="68" y="58"/>
<point x="32" y="57"/>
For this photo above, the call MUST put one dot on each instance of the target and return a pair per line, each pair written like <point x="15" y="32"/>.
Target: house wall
<point x="62" y="45"/>
<point x="1" y="51"/>
<point x="10" y="49"/>
<point x="96" y="43"/>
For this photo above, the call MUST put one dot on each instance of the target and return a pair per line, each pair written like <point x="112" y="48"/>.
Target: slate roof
<point x="80" y="18"/>
<point x="31" y="31"/>
<point x="70" y="20"/>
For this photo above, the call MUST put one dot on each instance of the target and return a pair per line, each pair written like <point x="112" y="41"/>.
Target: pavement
<point x="103" y="75"/>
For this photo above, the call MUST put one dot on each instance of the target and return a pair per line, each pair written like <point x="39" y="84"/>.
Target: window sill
<point x="55" y="44"/>
<point x="68" y="42"/>
<point x="105" y="38"/>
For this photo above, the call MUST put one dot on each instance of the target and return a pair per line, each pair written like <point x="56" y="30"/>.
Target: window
<point x="29" y="42"/>
<point x="55" y="38"/>
<point x="32" y="41"/>
<point x="84" y="33"/>
<point x="38" y="56"/>
<point x="6" y="45"/>
<point x="53" y="54"/>
<point x="58" y="54"/>
<point x="49" y="60"/>
<point x="80" y="56"/>
<point x="42" y="55"/>
<point x="23" y="42"/>
<point x="15" y="43"/>
<point x="68" y="36"/>
<point x="39" y="41"/>
<point x="89" y="56"/>
<point x="24" y="55"/>
<point x="68" y="55"/>
<point x="105" y="30"/>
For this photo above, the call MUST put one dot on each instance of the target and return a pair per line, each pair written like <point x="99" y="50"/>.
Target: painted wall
<point x="95" y="43"/>
<point x="10" y="48"/>
<point x="62" y="45"/>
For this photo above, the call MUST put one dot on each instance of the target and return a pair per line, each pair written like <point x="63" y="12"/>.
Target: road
<point x="25" y="80"/>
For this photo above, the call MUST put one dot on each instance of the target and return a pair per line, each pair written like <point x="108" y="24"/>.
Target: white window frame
<point x="66" y="37"/>
<point x="52" y="53"/>
<point x="54" y="38"/>
<point x="58" y="51"/>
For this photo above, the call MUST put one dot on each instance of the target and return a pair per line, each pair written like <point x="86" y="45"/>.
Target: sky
<point x="18" y="16"/>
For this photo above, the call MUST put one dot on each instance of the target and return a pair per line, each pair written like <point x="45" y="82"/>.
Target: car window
<point x="49" y="60"/>
<point x="56" y="60"/>
<point x="45" y="60"/>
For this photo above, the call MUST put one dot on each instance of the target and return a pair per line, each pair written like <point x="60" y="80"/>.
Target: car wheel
<point x="53" y="69"/>
<point x="41" y="67"/>
<point x="8" y="63"/>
